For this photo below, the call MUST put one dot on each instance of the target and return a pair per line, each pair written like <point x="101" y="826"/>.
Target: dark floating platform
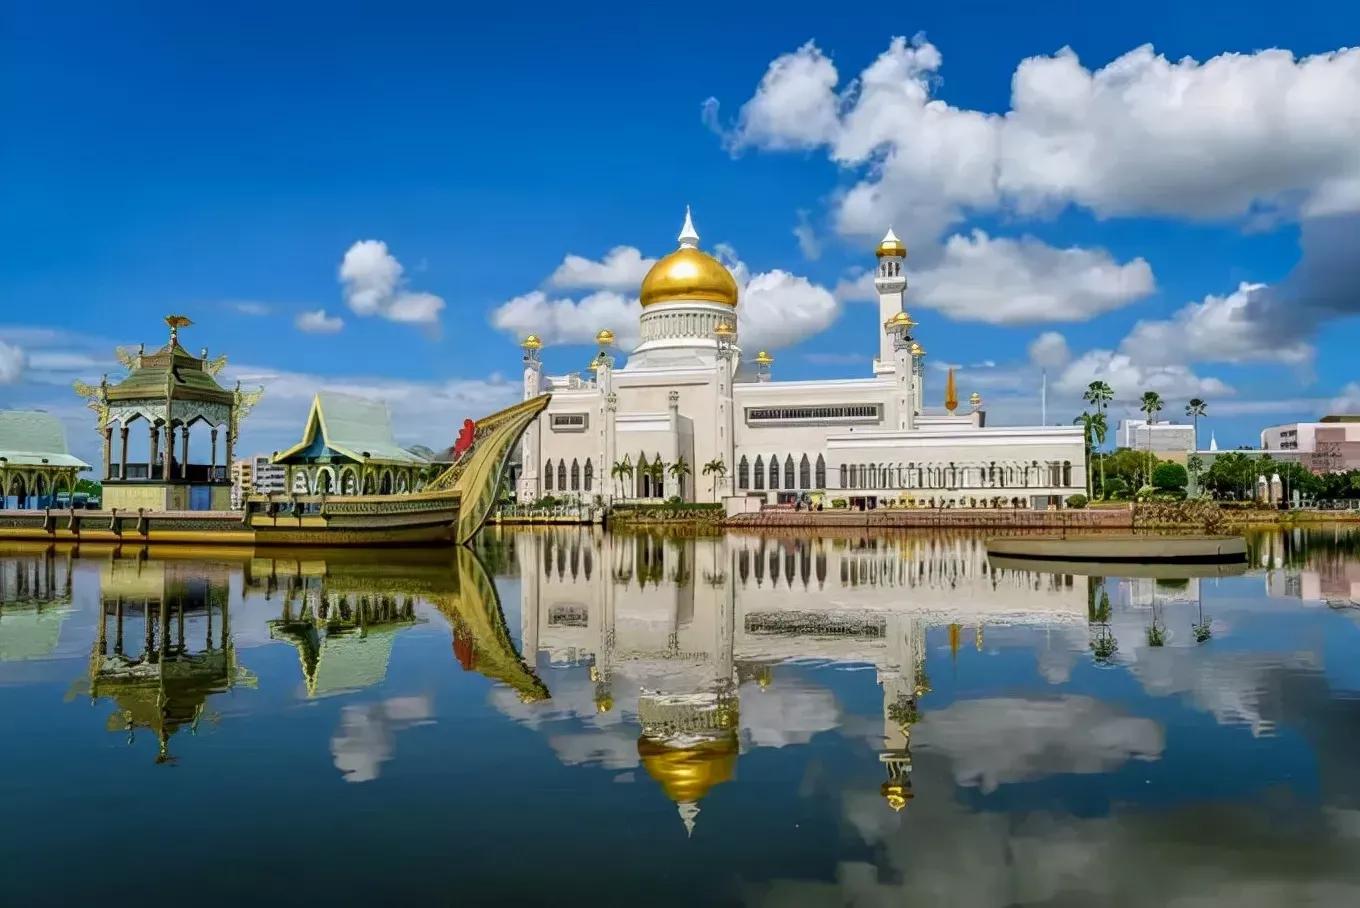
<point x="1124" y="549"/>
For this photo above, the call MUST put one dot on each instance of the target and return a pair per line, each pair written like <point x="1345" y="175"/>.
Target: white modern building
<point x="1329" y="445"/>
<point x="258" y="474"/>
<point x="689" y="394"/>
<point x="1168" y="440"/>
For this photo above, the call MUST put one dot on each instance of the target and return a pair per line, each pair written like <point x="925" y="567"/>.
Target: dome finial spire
<point x="689" y="237"/>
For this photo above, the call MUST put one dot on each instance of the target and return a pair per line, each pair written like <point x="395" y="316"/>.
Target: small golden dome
<point x="896" y="793"/>
<point x="917" y="349"/>
<point x="686" y="774"/>
<point x="900" y="320"/>
<point x="764" y="359"/>
<point x="531" y="342"/>
<point x="689" y="273"/>
<point x="725" y="329"/>
<point x="890" y="245"/>
<point x="975" y="398"/>
<point x="605" y="338"/>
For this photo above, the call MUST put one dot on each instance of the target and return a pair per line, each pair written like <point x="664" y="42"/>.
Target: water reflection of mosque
<point x="35" y="599"/>
<point x="684" y="622"/>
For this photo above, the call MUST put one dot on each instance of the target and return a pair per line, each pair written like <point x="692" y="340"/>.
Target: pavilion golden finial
<point x="532" y="342"/>
<point x="605" y="338"/>
<point x="951" y="392"/>
<point x="975" y="400"/>
<point x="176" y="322"/>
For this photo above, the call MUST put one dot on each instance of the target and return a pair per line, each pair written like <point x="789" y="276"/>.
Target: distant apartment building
<point x="1332" y="444"/>
<point x="258" y="474"/>
<point x="1168" y="440"/>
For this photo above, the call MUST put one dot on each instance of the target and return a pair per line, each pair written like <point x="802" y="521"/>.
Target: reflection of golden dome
<point x="531" y="342"/>
<point x="605" y="338"/>
<point x="689" y="273"/>
<point x="686" y="774"/>
<point x="890" y="245"/>
<point x="897" y="793"/>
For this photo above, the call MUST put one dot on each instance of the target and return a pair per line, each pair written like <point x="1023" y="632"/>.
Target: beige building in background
<point x="689" y="393"/>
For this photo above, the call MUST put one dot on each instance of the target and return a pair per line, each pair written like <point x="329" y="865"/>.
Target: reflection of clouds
<point x="1236" y="688"/>
<point x="365" y="738"/>
<point x="1001" y="740"/>
<point x="784" y="714"/>
<point x="609" y="748"/>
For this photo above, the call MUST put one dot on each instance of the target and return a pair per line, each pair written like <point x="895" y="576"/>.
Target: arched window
<point x="844" y="476"/>
<point x="805" y="473"/>
<point x="744" y="473"/>
<point x="590" y="474"/>
<point x="760" y="473"/>
<point x="1067" y="473"/>
<point x="548" y="475"/>
<point x="575" y="475"/>
<point x="788" y="472"/>
<point x="561" y="475"/>
<point x="819" y="475"/>
<point x="774" y="471"/>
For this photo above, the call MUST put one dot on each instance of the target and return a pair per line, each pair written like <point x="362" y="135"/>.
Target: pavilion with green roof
<point x="35" y="463"/>
<point x="347" y="448"/>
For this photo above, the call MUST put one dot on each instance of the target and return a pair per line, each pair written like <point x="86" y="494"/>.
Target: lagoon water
<point x="571" y="717"/>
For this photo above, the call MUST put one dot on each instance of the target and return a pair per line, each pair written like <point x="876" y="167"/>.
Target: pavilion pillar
<point x="212" y="473"/>
<point x="184" y="453"/>
<point x="108" y="451"/>
<point x="122" y="459"/>
<point x="167" y="468"/>
<point x="155" y="450"/>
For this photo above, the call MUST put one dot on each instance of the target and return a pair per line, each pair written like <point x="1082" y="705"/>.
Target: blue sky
<point x="170" y="158"/>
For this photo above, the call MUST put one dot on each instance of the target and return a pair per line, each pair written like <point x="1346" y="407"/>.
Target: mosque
<point x="689" y="415"/>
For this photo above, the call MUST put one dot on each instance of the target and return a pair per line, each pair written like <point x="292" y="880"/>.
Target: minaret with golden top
<point x="891" y="284"/>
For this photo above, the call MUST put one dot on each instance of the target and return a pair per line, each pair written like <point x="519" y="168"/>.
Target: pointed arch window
<point x="805" y="473"/>
<point x="819" y="474"/>
<point x="561" y="476"/>
<point x="760" y="473"/>
<point x="744" y="473"/>
<point x="774" y="471"/>
<point x="575" y="475"/>
<point x="590" y="474"/>
<point x="548" y="475"/>
<point x="788" y="472"/>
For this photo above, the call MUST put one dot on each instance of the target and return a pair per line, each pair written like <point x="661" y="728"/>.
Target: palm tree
<point x="1085" y="420"/>
<point x="1099" y="394"/>
<point x="1195" y="408"/>
<point x="1151" y="405"/>
<point x="679" y="470"/>
<point x="718" y="470"/>
<point x="621" y="470"/>
<point x="656" y="471"/>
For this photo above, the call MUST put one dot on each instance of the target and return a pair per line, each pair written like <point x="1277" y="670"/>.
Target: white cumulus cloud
<point x="373" y="284"/>
<point x="318" y="322"/>
<point x="1049" y="351"/>
<point x="622" y="269"/>
<point x="1130" y="378"/>
<point x="1019" y="281"/>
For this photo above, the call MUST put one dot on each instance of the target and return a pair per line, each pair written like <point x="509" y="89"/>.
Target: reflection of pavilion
<point x="146" y="658"/>
<point x="35" y="598"/>
<point x="683" y="621"/>
<point x="342" y="619"/>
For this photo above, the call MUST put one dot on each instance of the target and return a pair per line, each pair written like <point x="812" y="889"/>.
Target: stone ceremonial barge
<point x="167" y="499"/>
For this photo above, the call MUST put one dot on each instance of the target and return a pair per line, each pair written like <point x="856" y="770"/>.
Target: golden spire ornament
<point x="951" y="392"/>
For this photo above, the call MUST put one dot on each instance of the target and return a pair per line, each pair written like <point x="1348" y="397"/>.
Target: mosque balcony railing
<point x="155" y="472"/>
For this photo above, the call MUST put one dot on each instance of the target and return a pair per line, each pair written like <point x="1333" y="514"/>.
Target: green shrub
<point x="1076" y="501"/>
<point x="1116" y="489"/>
<point x="837" y="503"/>
<point x="1170" y="476"/>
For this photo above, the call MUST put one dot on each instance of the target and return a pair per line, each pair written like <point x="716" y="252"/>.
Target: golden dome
<point x="531" y="342"/>
<point x="725" y="329"/>
<point x="896" y="793"/>
<point x="686" y="774"/>
<point x="890" y="245"/>
<point x="689" y="273"/>
<point x="900" y="320"/>
<point x="917" y="349"/>
<point x="975" y="398"/>
<point x="605" y="338"/>
<point x="764" y="359"/>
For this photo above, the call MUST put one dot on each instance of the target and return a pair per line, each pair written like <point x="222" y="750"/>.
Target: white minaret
<point x="606" y="411"/>
<point x="891" y="284"/>
<point x="898" y="331"/>
<point x="531" y="456"/>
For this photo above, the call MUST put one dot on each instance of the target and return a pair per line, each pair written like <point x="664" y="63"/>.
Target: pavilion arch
<point x="349" y="481"/>
<point x="403" y="482"/>
<point x="385" y="481"/>
<point x="369" y="483"/>
<point x="301" y="483"/>
<point x="324" y="482"/>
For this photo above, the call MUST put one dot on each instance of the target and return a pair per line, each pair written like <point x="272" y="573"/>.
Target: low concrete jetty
<point x="1110" y="548"/>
